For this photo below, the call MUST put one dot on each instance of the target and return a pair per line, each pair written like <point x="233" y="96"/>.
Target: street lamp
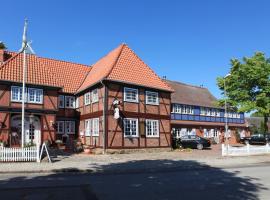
<point x="226" y="113"/>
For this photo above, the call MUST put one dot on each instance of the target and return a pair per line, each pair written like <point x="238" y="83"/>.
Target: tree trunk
<point x="266" y="123"/>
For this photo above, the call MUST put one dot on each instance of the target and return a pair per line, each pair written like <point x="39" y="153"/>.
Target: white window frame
<point x="88" y="127"/>
<point x="95" y="127"/>
<point x="77" y="102"/>
<point x="62" y="123"/>
<point x="87" y="98"/>
<point x="151" y="133"/>
<point x="150" y="100"/>
<point x="71" y="127"/>
<point x="137" y="127"/>
<point x="177" y="108"/>
<point x="94" y="96"/>
<point x="71" y="103"/>
<point x="19" y="94"/>
<point x="35" y="90"/>
<point x="126" y="89"/>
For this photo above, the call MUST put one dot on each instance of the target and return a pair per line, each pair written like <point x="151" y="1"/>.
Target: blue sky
<point x="189" y="41"/>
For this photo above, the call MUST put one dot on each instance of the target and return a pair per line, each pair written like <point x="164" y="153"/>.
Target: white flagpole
<point x="24" y="46"/>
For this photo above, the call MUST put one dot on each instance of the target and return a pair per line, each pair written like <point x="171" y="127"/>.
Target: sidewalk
<point x="136" y="162"/>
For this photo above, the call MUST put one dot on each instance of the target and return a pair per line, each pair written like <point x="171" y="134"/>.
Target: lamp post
<point x="226" y="113"/>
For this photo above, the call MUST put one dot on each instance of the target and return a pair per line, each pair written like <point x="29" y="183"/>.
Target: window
<point x="130" y="94"/>
<point x="152" y="98"/>
<point x="61" y="101"/>
<point x="32" y="95"/>
<point x="70" y="127"/>
<point x="92" y="127"/>
<point x="177" y="108"/>
<point x="217" y="113"/>
<point x="95" y="96"/>
<point x="88" y="127"/>
<point x="213" y="112"/>
<point x="183" y="109"/>
<point x="77" y="102"/>
<point x="95" y="127"/>
<point x="60" y="127"/>
<point x="130" y="127"/>
<point x="87" y="98"/>
<point x="202" y="111"/>
<point x="152" y="128"/>
<point x="35" y="95"/>
<point x="16" y="93"/>
<point x="69" y="102"/>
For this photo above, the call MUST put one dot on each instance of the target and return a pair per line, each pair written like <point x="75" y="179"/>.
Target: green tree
<point x="248" y="86"/>
<point x="2" y="45"/>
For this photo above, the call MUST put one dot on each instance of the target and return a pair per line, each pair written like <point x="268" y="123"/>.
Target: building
<point x="117" y="103"/>
<point x="194" y="112"/>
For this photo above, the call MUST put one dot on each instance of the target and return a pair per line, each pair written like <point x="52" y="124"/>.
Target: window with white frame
<point x="130" y="127"/>
<point x="87" y="99"/>
<point x="88" y="127"/>
<point x="32" y="95"/>
<point x="95" y="126"/>
<point x="202" y="111"/>
<point x="95" y="95"/>
<point x="69" y="127"/>
<point x="16" y="93"/>
<point x="217" y="113"/>
<point x="130" y="94"/>
<point x="183" y="109"/>
<point x="61" y="101"/>
<point x="152" y="128"/>
<point x="35" y="95"/>
<point x="92" y="127"/>
<point x="69" y="102"/>
<point x="60" y="127"/>
<point x="77" y="102"/>
<point x="152" y="98"/>
<point x="213" y="112"/>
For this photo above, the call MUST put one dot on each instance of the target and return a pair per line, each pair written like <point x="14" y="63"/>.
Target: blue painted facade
<point x="203" y="118"/>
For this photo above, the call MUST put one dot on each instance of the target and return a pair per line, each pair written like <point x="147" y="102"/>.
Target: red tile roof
<point x="123" y="65"/>
<point x="44" y="71"/>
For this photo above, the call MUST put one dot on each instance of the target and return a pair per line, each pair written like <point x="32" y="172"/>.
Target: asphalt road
<point x="243" y="183"/>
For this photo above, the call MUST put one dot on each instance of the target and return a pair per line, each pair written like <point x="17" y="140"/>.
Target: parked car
<point x="194" y="142"/>
<point x="256" y="139"/>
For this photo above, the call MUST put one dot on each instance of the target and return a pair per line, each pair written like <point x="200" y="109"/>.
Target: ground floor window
<point x="67" y="127"/>
<point x="152" y="128"/>
<point x="92" y="127"/>
<point x="130" y="127"/>
<point x="211" y="133"/>
<point x="180" y="132"/>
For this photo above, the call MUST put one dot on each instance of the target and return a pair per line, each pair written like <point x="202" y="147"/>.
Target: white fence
<point x="19" y="154"/>
<point x="228" y="150"/>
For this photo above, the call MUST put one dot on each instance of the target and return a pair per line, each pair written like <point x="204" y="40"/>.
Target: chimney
<point x="2" y="56"/>
<point x="164" y="77"/>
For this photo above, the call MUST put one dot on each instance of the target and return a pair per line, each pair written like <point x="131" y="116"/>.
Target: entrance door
<point x="32" y="128"/>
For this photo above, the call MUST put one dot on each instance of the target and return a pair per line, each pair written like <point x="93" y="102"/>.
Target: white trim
<point x="152" y="130"/>
<point x="147" y="100"/>
<point x="137" y="127"/>
<point x="87" y="98"/>
<point x="94" y="96"/>
<point x="72" y="103"/>
<point x="131" y="100"/>
<point x="35" y="95"/>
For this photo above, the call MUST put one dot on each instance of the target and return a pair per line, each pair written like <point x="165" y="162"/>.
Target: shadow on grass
<point x="147" y="179"/>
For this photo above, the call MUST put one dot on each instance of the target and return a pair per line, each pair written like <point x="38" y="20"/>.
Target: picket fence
<point x="246" y="150"/>
<point x="26" y="154"/>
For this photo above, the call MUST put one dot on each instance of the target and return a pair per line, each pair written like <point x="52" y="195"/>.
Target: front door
<point x="32" y="128"/>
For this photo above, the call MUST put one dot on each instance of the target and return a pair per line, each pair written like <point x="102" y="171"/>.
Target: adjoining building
<point x="117" y="103"/>
<point x="194" y="111"/>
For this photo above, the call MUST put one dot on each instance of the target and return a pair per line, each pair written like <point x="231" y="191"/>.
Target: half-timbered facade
<point x="194" y="111"/>
<point x="117" y="103"/>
